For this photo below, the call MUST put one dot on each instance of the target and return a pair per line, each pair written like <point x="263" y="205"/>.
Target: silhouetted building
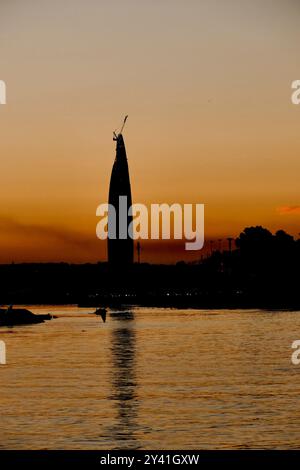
<point x="120" y="251"/>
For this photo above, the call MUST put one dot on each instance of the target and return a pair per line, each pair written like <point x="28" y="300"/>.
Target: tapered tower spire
<point x="120" y="251"/>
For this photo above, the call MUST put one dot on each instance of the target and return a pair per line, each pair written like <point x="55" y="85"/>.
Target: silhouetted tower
<point x="120" y="250"/>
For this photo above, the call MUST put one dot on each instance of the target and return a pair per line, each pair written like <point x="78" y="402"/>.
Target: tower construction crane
<point x="121" y="130"/>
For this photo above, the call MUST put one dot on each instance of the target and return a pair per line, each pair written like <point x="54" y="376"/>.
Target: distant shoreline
<point x="261" y="273"/>
<point x="172" y="305"/>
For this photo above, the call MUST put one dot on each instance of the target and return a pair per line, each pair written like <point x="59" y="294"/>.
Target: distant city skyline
<point x="207" y="86"/>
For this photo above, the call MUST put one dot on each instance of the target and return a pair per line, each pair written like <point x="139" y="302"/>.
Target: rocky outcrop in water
<point x="20" y="316"/>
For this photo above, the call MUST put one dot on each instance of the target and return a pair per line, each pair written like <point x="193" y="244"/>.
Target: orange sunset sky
<point x="207" y="87"/>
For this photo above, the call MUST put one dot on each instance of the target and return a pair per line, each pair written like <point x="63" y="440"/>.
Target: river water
<point x="151" y="379"/>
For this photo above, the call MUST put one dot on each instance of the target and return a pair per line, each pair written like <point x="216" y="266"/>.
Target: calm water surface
<point x="151" y="378"/>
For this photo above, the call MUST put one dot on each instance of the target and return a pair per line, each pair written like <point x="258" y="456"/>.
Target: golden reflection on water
<point x="151" y="379"/>
<point x="123" y="380"/>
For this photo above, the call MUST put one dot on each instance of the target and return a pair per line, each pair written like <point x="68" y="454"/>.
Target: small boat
<point x="20" y="316"/>
<point x="102" y="313"/>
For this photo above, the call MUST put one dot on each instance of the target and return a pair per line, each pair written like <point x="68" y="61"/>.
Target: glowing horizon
<point x="207" y="90"/>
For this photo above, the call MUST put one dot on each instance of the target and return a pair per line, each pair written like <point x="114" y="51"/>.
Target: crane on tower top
<point x="121" y="130"/>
